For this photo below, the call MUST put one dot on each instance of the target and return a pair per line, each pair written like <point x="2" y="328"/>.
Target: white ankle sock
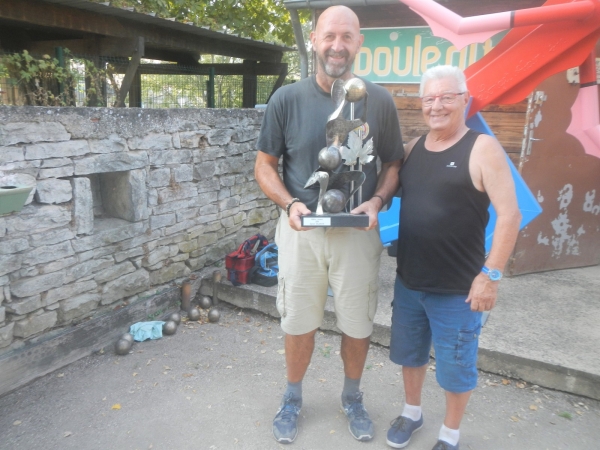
<point x="449" y="435"/>
<point x="412" y="412"/>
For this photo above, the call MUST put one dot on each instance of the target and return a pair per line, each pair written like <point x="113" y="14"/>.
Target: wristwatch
<point x="493" y="274"/>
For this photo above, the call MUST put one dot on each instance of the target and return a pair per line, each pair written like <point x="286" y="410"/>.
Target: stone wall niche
<point x="124" y="194"/>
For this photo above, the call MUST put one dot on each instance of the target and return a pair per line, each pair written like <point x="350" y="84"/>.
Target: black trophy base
<point x="335" y="220"/>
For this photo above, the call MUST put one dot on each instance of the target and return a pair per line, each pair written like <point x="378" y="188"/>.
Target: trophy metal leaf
<point x="364" y="155"/>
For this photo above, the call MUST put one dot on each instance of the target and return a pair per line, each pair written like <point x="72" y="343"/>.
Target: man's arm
<point x="267" y="176"/>
<point x="491" y="173"/>
<point x="387" y="186"/>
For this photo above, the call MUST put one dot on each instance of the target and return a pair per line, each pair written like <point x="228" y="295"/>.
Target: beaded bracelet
<point x="289" y="206"/>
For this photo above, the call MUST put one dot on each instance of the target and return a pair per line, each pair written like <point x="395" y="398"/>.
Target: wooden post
<point x="135" y="91"/>
<point x="210" y="88"/>
<point x="249" y="84"/>
<point x="132" y="68"/>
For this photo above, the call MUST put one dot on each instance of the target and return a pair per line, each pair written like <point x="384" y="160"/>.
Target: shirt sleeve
<point x="390" y="146"/>
<point x="271" y="139"/>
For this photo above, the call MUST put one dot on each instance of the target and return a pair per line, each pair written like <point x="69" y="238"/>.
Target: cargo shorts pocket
<point x="373" y="298"/>
<point x="280" y="301"/>
<point x="466" y="352"/>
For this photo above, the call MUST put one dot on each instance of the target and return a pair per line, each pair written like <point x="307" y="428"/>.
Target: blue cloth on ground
<point x="146" y="330"/>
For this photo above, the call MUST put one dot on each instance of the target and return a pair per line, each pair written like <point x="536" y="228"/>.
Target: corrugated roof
<point x="149" y="19"/>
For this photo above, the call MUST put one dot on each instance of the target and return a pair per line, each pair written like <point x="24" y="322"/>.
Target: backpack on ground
<point x="265" y="267"/>
<point x="239" y="263"/>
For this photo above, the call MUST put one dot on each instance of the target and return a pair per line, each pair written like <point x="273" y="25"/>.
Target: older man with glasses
<point x="444" y="280"/>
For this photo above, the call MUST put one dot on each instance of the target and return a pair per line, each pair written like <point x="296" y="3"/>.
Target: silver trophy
<point x="338" y="184"/>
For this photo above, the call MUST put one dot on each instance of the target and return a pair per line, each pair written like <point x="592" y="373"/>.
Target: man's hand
<point x="297" y="210"/>
<point x="483" y="293"/>
<point x="370" y="208"/>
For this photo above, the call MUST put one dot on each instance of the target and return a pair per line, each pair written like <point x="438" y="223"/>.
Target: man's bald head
<point x="336" y="41"/>
<point x="338" y="13"/>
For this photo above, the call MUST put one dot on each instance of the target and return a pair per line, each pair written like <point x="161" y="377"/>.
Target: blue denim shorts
<point x="420" y="317"/>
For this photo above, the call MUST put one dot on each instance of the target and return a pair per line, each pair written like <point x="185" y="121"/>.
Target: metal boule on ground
<point x="175" y="317"/>
<point x="205" y="302"/>
<point x="169" y="328"/>
<point x="123" y="346"/>
<point x="194" y="314"/>
<point x="213" y="315"/>
<point x="127" y="337"/>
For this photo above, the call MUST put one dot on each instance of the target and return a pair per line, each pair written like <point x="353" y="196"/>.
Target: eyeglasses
<point x="445" y="99"/>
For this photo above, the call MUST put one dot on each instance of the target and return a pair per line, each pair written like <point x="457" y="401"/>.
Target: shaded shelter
<point x="100" y="31"/>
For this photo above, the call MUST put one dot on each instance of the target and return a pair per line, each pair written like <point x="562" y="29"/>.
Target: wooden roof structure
<point x="100" y="30"/>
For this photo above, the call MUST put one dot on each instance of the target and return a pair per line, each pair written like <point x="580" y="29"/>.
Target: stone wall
<point x="126" y="202"/>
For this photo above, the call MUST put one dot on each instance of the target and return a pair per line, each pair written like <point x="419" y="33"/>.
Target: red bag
<point x="239" y="262"/>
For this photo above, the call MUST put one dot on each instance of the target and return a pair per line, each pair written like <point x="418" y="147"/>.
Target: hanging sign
<point x="401" y="55"/>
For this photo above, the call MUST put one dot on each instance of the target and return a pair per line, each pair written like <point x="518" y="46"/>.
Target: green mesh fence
<point x="31" y="80"/>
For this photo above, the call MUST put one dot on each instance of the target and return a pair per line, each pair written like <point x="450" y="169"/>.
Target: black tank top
<point x="441" y="245"/>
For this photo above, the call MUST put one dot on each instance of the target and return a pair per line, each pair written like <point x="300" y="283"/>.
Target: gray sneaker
<point x="443" y="445"/>
<point x="285" y="423"/>
<point x="359" y="423"/>
<point x="401" y="430"/>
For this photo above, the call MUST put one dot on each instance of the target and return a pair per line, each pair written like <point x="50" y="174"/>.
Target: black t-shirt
<point x="294" y="127"/>
<point x="441" y="245"/>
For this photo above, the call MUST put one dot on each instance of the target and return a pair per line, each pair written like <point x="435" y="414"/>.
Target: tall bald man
<point x="347" y="259"/>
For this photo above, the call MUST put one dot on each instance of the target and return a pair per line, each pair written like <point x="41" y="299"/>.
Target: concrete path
<point x="218" y="386"/>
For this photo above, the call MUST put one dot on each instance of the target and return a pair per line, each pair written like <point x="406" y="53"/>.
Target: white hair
<point x="439" y="72"/>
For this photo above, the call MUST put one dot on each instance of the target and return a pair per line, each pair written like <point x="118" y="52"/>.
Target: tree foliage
<point x="256" y="19"/>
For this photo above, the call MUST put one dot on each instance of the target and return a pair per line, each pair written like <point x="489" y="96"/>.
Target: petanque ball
<point x="123" y="346"/>
<point x="193" y="313"/>
<point x="175" y="317"/>
<point x="334" y="201"/>
<point x="128" y="337"/>
<point x="330" y="158"/>
<point x="214" y="315"/>
<point x="205" y="302"/>
<point x="169" y="327"/>
<point x="355" y="89"/>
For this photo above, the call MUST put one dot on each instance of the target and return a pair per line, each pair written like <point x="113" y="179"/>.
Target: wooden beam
<point x="171" y="55"/>
<point x="89" y="47"/>
<point x="131" y="71"/>
<point x="203" y="69"/>
<point x="75" y="46"/>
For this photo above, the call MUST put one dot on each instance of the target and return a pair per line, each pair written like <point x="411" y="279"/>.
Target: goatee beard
<point x="335" y="71"/>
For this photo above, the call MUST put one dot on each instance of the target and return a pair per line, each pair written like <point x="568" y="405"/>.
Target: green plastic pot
<point x="12" y="198"/>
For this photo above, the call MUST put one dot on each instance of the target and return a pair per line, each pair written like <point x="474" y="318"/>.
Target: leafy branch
<point x="46" y="82"/>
